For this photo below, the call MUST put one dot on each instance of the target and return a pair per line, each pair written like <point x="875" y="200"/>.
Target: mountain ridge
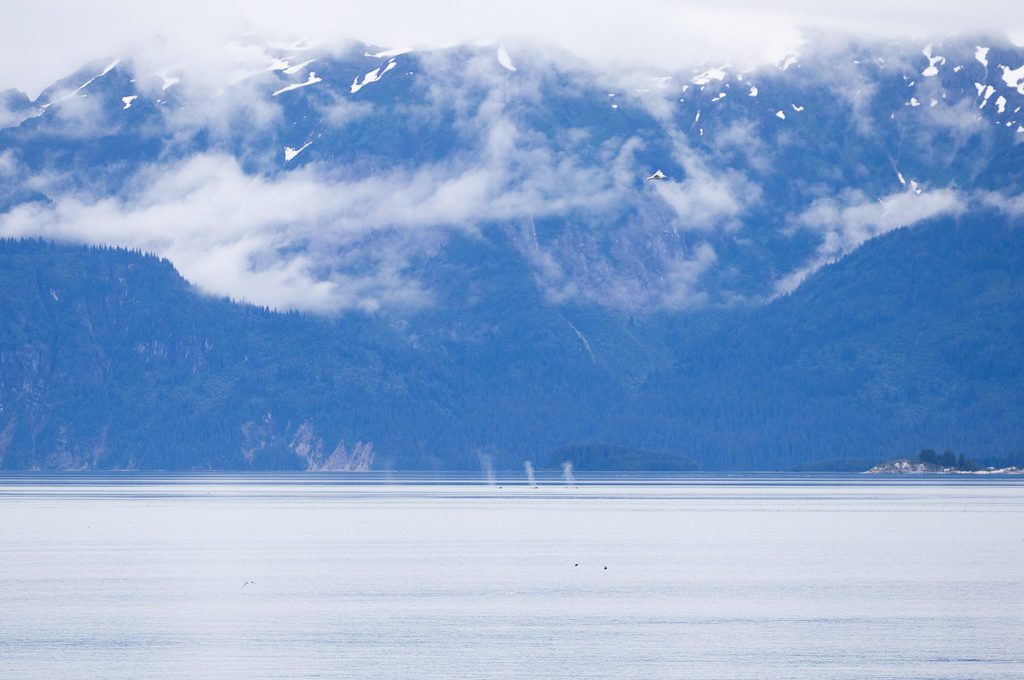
<point x="486" y="275"/>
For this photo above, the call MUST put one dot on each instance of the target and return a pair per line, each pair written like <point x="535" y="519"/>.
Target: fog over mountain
<point x="483" y="268"/>
<point x="657" y="34"/>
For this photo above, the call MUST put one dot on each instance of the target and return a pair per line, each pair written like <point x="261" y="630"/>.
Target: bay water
<point x="380" y="576"/>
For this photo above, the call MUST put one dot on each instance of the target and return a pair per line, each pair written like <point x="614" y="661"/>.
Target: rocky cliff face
<point x="357" y="459"/>
<point x="309" y="447"/>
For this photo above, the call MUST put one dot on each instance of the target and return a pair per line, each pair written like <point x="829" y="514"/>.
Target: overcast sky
<point x="43" y="40"/>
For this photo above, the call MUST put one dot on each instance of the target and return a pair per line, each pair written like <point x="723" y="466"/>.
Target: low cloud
<point x="740" y="142"/>
<point x="11" y="116"/>
<point x="704" y="201"/>
<point x="315" y="238"/>
<point x="243" y="117"/>
<point x="79" y="117"/>
<point x="325" y="237"/>
<point x="251" y="237"/>
<point x="1012" y="205"/>
<point x="8" y="163"/>
<point x="340" y="111"/>
<point x="682" y="278"/>
<point x="848" y="221"/>
<point x="654" y="33"/>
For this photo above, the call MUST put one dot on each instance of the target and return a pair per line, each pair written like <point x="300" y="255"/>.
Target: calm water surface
<point x="135" y="576"/>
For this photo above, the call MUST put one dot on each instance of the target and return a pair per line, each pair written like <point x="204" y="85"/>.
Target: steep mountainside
<point x="115" y="362"/>
<point x="914" y="338"/>
<point x="330" y="180"/>
<point x="482" y="272"/>
<point x="109" y="359"/>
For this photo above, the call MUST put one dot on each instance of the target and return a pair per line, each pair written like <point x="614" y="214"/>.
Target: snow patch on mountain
<point x="708" y="76"/>
<point x="934" y="62"/>
<point x="244" y="74"/>
<point x="1014" y="77"/>
<point x="110" y="67"/>
<point x="371" y="77"/>
<point x="504" y="59"/>
<point x="388" y="54"/>
<point x="311" y="80"/>
<point x="290" y="153"/>
<point x="292" y="70"/>
<point x="986" y="95"/>
<point x="583" y="340"/>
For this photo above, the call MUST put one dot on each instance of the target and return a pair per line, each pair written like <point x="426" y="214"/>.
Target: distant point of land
<point x="930" y="462"/>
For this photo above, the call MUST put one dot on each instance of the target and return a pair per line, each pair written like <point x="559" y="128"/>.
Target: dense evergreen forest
<point x="109" y="359"/>
<point x="914" y="340"/>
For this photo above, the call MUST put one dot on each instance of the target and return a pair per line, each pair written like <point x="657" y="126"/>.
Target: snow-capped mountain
<point x="470" y="202"/>
<point x="327" y="181"/>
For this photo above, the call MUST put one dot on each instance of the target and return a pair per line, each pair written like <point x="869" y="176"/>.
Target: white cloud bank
<point x="270" y="239"/>
<point x="43" y="40"/>
<point x="314" y="240"/>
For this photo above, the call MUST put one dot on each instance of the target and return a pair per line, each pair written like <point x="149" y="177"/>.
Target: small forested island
<point x="930" y="462"/>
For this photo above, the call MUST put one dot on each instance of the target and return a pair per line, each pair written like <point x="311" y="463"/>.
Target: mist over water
<point x="567" y="473"/>
<point x="364" y="577"/>
<point x="487" y="467"/>
<point x="530" y="477"/>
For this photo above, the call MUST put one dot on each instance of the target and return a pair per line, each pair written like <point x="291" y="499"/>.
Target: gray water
<point x="360" y="576"/>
